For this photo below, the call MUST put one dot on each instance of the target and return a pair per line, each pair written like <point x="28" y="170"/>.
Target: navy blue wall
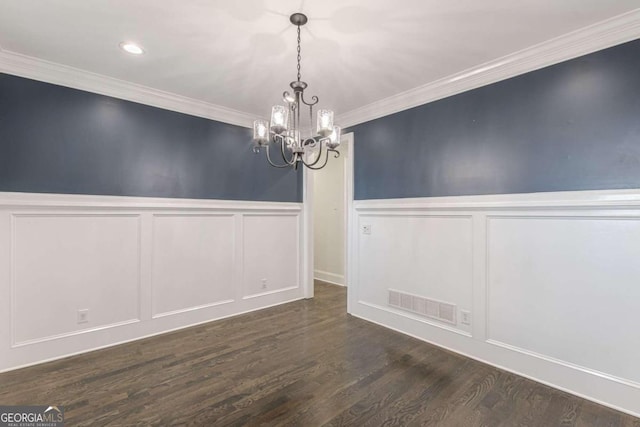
<point x="59" y="140"/>
<point x="571" y="126"/>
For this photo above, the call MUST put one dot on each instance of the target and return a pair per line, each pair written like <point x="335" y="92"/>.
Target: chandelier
<point x="284" y="134"/>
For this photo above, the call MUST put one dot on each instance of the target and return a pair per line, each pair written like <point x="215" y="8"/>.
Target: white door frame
<point x="306" y="237"/>
<point x="307" y="220"/>
<point x="350" y="218"/>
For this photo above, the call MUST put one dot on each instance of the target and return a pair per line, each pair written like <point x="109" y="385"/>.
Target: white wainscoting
<point x="274" y="239"/>
<point x="193" y="254"/>
<point x="551" y="282"/>
<point x="139" y="266"/>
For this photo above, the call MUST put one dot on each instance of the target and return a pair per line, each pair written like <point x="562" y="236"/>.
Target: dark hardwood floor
<point x="305" y="363"/>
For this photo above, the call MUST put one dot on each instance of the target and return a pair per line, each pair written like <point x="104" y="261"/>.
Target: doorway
<point x="332" y="196"/>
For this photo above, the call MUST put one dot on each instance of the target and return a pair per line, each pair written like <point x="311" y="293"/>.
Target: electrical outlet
<point x="366" y="229"/>
<point x="466" y="317"/>
<point x="264" y="283"/>
<point x="83" y="315"/>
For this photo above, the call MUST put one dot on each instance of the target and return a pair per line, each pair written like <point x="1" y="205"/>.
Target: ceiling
<point x="241" y="54"/>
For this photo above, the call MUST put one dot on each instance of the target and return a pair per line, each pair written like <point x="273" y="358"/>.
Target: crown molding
<point x="604" y="34"/>
<point x="63" y="75"/>
<point x="617" y="30"/>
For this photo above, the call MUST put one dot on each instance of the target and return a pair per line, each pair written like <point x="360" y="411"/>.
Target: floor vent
<point x="442" y="311"/>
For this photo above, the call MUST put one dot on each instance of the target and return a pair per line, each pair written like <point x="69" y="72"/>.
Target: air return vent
<point x="442" y="311"/>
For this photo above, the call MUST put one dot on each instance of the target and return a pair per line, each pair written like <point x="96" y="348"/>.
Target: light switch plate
<point x="465" y="317"/>
<point x="83" y="315"/>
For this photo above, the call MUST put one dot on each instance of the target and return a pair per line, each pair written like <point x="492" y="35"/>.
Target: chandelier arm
<point x="282" y="140"/>
<point x="326" y="160"/>
<point x="314" y="100"/>
<point x="293" y="159"/>
<point x="311" y="165"/>
<point x="312" y="142"/>
<point x="287" y="165"/>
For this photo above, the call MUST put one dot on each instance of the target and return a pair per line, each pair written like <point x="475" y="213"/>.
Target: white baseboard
<point x="492" y="362"/>
<point x="140" y="266"/>
<point x="529" y="269"/>
<point x="325" y="276"/>
<point x="179" y="328"/>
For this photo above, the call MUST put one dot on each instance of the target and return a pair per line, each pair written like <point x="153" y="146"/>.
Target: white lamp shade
<point x="279" y="119"/>
<point x="325" y="122"/>
<point x="260" y="131"/>
<point x="334" y="138"/>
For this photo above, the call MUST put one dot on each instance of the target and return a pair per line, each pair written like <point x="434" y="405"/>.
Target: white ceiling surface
<point x="241" y="53"/>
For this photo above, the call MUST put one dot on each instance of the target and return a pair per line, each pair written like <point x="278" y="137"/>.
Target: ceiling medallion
<point x="283" y="133"/>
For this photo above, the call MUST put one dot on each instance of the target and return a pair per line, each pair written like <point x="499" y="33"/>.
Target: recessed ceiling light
<point x="131" y="48"/>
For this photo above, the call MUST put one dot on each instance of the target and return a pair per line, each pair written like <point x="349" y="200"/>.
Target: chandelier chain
<point x="299" y="57"/>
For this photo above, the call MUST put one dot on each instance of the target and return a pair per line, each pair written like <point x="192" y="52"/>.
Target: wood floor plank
<point x="305" y="363"/>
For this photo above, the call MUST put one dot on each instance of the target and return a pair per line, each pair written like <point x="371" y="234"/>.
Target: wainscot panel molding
<point x="78" y="273"/>
<point x="611" y="32"/>
<point x="545" y="285"/>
